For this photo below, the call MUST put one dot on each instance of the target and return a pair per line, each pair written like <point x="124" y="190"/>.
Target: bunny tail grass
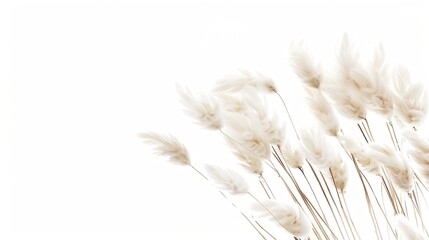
<point x="167" y="145"/>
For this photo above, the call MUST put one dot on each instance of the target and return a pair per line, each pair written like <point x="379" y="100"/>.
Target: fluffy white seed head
<point x="247" y="143"/>
<point x="337" y="172"/>
<point x="401" y="79"/>
<point x="381" y="102"/>
<point x="397" y="166"/>
<point x="347" y="54"/>
<point x="415" y="140"/>
<point x="378" y="57"/>
<point x="351" y="144"/>
<point x="246" y="135"/>
<point x="406" y="230"/>
<point x="418" y="149"/>
<point x="379" y="95"/>
<point x="227" y="179"/>
<point x="261" y="117"/>
<point x="361" y="152"/>
<point x="249" y="160"/>
<point x="411" y="99"/>
<point x="292" y="154"/>
<point x="412" y="106"/>
<point x="232" y="103"/>
<point x="290" y="217"/>
<point x="323" y="112"/>
<point x="343" y="88"/>
<point x="236" y="82"/>
<point x="367" y="162"/>
<point x="315" y="148"/>
<point x="305" y="66"/>
<point x="373" y="87"/>
<point x="169" y="146"/>
<point x="204" y="108"/>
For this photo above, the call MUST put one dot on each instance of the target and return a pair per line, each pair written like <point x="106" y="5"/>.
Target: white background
<point x="80" y="79"/>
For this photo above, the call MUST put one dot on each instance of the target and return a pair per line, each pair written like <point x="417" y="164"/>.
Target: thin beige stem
<point x="311" y="206"/>
<point x="424" y="198"/>
<point x="363" y="134"/>
<point x="314" y="194"/>
<point x="418" y="213"/>
<point x="368" y="199"/>
<point x="350" y="216"/>
<point x="394" y="134"/>
<point x="326" y="198"/>
<point x="275" y="154"/>
<point x="395" y="144"/>
<point x="266" y="209"/>
<point x="336" y="206"/>
<point x="421" y="182"/>
<point x="263" y="187"/>
<point x="379" y="205"/>
<point x="341" y="204"/>
<point x="265" y="230"/>
<point x="268" y="186"/>
<point x="384" y="206"/>
<point x="231" y="202"/>
<point x="303" y="196"/>
<point x="369" y="129"/>
<point x="395" y="209"/>
<point x="288" y="114"/>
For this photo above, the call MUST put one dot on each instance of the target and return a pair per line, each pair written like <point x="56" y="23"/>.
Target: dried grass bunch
<point x="307" y="177"/>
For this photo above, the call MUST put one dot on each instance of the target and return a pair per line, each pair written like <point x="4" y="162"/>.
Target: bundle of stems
<point x="309" y="177"/>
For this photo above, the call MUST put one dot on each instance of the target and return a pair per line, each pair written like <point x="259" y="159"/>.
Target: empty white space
<point x="81" y="79"/>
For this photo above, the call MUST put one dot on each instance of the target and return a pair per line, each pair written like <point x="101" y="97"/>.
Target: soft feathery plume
<point x="248" y="160"/>
<point x="411" y="100"/>
<point x="246" y="142"/>
<point x="378" y="57"/>
<point x="227" y="179"/>
<point x="419" y="151"/>
<point x="402" y="176"/>
<point x="351" y="144"/>
<point x="305" y="66"/>
<point x="315" y="148"/>
<point x="361" y="152"/>
<point x="290" y="217"/>
<point x="406" y="230"/>
<point x="169" y="146"/>
<point x="347" y="102"/>
<point x="381" y="99"/>
<point x="241" y="129"/>
<point x="337" y="172"/>
<point x="416" y="141"/>
<point x="261" y="117"/>
<point x="292" y="154"/>
<point x="397" y="166"/>
<point x="237" y="82"/>
<point x="374" y="84"/>
<point x="265" y="83"/>
<point x="232" y="103"/>
<point x="204" y="109"/>
<point x="347" y="55"/>
<point x="348" y="62"/>
<point x="401" y="79"/>
<point x="323" y="112"/>
<point x="412" y="107"/>
<point x="344" y="87"/>
<point x="361" y="82"/>
<point x="368" y="164"/>
<point x="381" y="102"/>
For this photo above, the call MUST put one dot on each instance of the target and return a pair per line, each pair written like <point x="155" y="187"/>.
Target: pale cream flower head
<point x="169" y="146"/>
<point x="203" y="108"/>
